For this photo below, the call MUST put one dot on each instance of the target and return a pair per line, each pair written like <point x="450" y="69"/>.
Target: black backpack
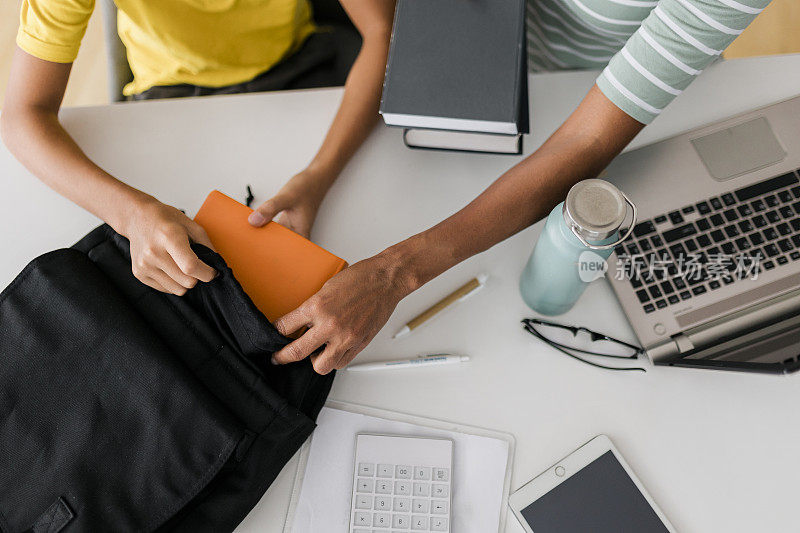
<point x="126" y="409"/>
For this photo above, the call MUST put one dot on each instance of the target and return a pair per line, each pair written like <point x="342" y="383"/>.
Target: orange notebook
<point x="276" y="267"/>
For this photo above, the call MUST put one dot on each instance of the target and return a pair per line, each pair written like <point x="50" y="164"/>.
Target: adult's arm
<point x="159" y="234"/>
<point x="355" y="304"/>
<point x="296" y="204"/>
<point x="676" y="41"/>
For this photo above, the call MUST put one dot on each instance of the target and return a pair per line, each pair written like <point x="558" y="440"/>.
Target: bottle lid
<point x="595" y="209"/>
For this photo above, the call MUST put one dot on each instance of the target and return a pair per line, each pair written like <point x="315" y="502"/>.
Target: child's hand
<point x="295" y="206"/>
<point x="161" y="255"/>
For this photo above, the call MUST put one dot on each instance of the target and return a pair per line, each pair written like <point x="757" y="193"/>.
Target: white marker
<point x="422" y="360"/>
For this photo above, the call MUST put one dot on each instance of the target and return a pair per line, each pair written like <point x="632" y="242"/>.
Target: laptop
<point x="710" y="277"/>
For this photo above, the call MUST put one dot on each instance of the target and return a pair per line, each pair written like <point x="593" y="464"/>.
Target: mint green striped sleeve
<point x="676" y="41"/>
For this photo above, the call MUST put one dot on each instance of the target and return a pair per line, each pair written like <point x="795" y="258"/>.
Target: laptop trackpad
<point x="739" y="149"/>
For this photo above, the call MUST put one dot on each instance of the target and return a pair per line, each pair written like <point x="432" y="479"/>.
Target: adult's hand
<point x="161" y="255"/>
<point x="343" y="316"/>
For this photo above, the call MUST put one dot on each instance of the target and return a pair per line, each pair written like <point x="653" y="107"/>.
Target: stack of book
<point x="456" y="77"/>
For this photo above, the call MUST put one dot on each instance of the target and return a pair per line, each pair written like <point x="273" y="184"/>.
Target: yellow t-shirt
<point x="211" y="43"/>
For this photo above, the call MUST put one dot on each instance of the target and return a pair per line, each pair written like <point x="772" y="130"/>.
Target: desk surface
<point x="717" y="450"/>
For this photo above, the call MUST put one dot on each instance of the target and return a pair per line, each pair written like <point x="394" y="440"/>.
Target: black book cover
<point x="458" y="59"/>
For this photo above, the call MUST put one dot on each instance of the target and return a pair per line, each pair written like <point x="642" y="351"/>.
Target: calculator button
<point x="363" y="519"/>
<point x="402" y="472"/>
<point x="419" y="523"/>
<point x="383" y="503"/>
<point x="383" y="487"/>
<point x="402" y="504"/>
<point x="363" y="502"/>
<point x="439" y="507"/>
<point x="402" y="488"/>
<point x="422" y="472"/>
<point x="422" y="489"/>
<point x="385" y="470"/>
<point x="401" y="521"/>
<point x="361" y="531"/>
<point x="438" y="524"/>
<point x="366" y="469"/>
<point x="441" y="474"/>
<point x="381" y="520"/>
<point x="440" y="491"/>
<point x="421" y="506"/>
<point x="365" y="485"/>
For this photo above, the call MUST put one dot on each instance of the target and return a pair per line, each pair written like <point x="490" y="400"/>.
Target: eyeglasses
<point x="571" y="339"/>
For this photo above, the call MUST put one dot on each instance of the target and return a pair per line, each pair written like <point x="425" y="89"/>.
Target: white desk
<point x="718" y="450"/>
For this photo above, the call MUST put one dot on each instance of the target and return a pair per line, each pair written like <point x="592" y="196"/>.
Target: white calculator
<point x="401" y="484"/>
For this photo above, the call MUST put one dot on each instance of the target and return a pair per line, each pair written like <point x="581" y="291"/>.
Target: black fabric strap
<point x="54" y="519"/>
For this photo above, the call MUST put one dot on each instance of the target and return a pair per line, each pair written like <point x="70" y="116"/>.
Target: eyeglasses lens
<point x="582" y="341"/>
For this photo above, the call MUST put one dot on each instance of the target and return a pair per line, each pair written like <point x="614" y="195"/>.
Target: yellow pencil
<point x="458" y="295"/>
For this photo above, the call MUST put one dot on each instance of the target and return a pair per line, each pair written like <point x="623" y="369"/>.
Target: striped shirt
<point x="651" y="49"/>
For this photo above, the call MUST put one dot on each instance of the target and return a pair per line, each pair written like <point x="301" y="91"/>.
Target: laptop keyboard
<point x="722" y="240"/>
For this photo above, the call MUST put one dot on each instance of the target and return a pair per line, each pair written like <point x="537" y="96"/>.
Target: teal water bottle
<point x="579" y="235"/>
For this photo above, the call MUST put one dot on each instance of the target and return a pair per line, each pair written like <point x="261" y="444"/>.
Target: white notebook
<point x="323" y="489"/>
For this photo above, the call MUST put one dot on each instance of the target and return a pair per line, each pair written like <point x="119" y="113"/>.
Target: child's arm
<point x="297" y="202"/>
<point x="159" y="234"/>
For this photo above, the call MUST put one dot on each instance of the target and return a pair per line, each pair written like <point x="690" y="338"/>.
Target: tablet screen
<point x="600" y="498"/>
